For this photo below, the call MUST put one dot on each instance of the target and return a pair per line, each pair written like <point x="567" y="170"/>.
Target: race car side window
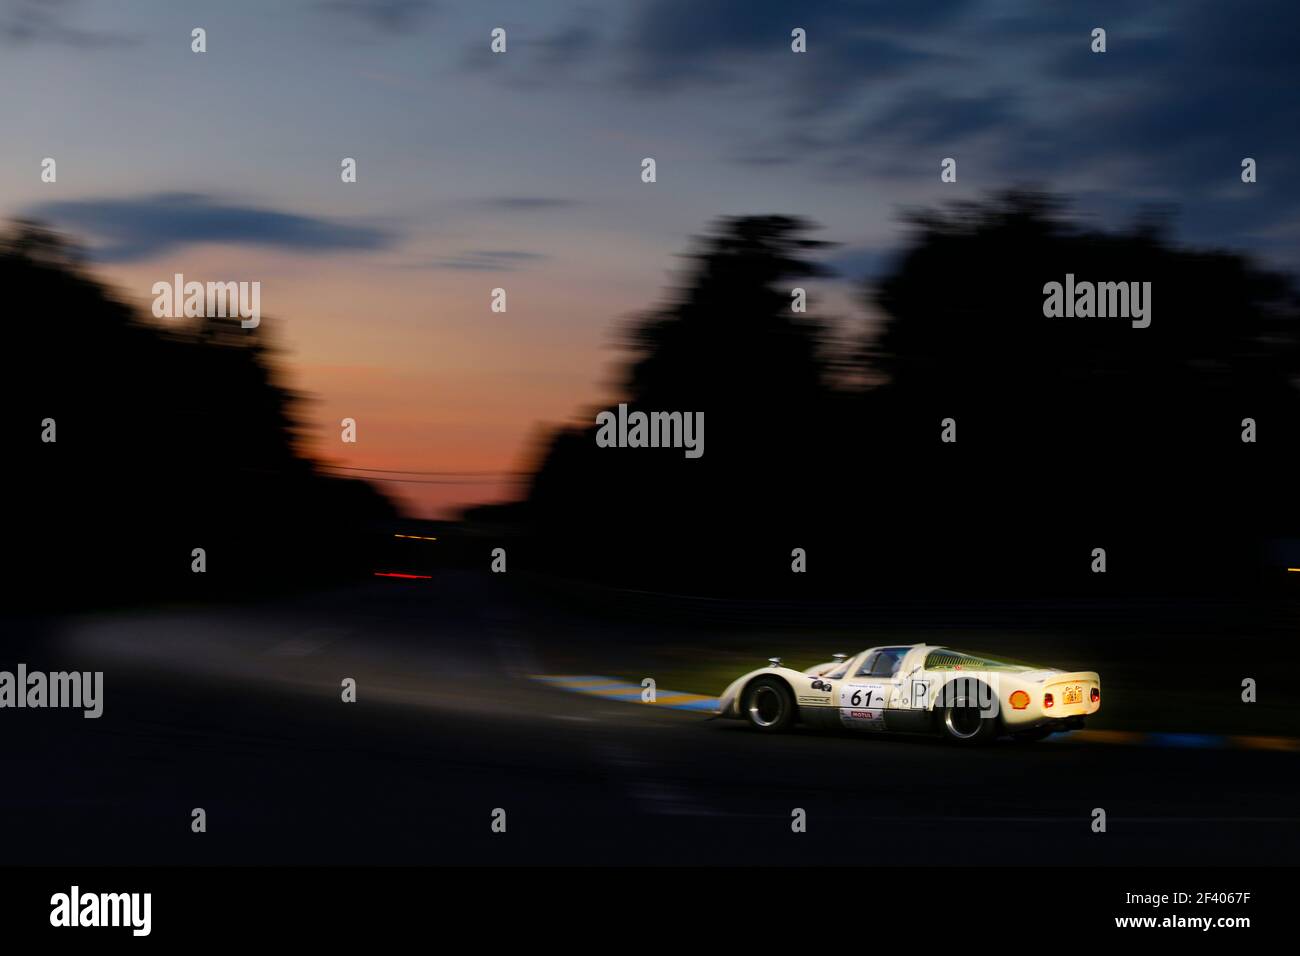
<point x="888" y="662"/>
<point x="867" y="664"/>
<point x="883" y="663"/>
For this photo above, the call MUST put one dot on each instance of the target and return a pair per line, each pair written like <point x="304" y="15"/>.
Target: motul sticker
<point x="859" y="718"/>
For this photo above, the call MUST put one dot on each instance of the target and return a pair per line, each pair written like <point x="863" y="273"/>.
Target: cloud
<point x="561" y="49"/>
<point x="1013" y="91"/>
<point x="527" y="203"/>
<point x="935" y="118"/>
<point x="383" y="16"/>
<point x="31" y="22"/>
<point x="676" y="43"/>
<point x="480" y="260"/>
<point x="128" y="229"/>
<point x="1168" y="113"/>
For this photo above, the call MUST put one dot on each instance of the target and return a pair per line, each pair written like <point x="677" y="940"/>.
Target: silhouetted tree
<point x="1077" y="433"/>
<point x="728" y="345"/>
<point x="168" y="439"/>
<point x="1071" y="433"/>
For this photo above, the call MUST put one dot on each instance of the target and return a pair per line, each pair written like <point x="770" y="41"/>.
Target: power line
<point x="423" y="481"/>
<point x="410" y="471"/>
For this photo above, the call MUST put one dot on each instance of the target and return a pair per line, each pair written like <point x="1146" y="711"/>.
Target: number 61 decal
<point x="862" y="696"/>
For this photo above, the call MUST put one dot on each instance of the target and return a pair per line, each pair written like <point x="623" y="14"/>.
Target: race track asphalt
<point x="237" y="710"/>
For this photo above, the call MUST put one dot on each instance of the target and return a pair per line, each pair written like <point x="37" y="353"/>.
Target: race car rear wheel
<point x="768" y="705"/>
<point x="964" y="721"/>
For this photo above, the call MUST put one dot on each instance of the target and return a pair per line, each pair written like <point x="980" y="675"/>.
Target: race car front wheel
<point x="768" y="705"/>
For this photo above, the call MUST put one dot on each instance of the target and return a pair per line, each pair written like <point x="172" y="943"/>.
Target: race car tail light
<point x="1095" y="695"/>
<point x="1019" y="700"/>
<point x="1047" y="700"/>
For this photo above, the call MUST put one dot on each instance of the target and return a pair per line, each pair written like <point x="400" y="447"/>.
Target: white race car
<point x="917" y="689"/>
